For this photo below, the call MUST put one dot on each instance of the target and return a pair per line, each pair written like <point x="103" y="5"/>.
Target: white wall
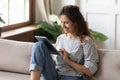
<point x="104" y="16"/>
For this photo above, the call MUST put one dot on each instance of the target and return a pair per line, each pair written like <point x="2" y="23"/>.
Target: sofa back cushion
<point x="15" y="55"/>
<point x="109" y="66"/>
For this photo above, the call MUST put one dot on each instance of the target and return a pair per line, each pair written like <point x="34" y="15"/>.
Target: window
<point x="17" y="13"/>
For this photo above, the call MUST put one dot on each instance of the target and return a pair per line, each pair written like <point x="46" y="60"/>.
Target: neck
<point x="71" y="35"/>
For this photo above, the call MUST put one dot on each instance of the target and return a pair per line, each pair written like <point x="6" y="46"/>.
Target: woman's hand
<point x="65" y="55"/>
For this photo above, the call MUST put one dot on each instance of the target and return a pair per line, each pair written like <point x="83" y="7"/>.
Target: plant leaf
<point x="2" y="21"/>
<point x="99" y="37"/>
<point x="53" y="30"/>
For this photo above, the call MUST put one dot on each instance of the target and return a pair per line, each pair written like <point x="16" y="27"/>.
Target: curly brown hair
<point x="81" y="27"/>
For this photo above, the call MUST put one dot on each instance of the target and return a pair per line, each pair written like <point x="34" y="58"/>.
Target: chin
<point x="65" y="32"/>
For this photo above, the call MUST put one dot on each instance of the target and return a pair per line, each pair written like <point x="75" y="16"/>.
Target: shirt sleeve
<point x="90" y="55"/>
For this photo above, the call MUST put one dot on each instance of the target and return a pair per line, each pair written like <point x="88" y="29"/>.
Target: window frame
<point x="26" y="23"/>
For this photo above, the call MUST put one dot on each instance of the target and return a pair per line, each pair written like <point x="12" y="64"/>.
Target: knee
<point x="38" y="48"/>
<point x="39" y="44"/>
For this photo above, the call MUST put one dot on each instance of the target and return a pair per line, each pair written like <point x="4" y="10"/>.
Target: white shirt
<point x="82" y="53"/>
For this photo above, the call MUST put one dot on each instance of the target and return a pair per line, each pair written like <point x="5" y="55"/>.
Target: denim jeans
<point x="42" y="61"/>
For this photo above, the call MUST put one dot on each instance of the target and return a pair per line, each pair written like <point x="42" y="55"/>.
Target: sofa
<point x="15" y="61"/>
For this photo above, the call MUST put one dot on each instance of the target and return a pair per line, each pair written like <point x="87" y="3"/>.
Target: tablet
<point x="52" y="49"/>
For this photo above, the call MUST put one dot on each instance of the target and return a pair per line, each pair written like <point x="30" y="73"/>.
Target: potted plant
<point x="52" y="30"/>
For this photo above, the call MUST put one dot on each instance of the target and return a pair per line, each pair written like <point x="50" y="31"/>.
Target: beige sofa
<point x="15" y="57"/>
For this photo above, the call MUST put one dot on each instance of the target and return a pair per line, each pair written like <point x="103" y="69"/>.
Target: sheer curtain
<point x="44" y="9"/>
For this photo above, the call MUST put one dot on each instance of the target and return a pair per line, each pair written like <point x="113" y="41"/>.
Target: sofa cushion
<point x="109" y="66"/>
<point x="13" y="76"/>
<point x="15" y="55"/>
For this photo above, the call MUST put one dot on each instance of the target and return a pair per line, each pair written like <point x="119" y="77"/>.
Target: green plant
<point x="99" y="37"/>
<point x="51" y="31"/>
<point x="1" y="20"/>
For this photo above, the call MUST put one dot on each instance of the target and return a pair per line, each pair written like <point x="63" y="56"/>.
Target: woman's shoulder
<point x="88" y="39"/>
<point x="88" y="42"/>
<point x="60" y="38"/>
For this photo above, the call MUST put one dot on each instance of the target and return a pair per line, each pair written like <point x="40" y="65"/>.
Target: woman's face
<point x="66" y="24"/>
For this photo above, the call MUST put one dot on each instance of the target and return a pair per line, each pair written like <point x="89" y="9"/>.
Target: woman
<point x="76" y="45"/>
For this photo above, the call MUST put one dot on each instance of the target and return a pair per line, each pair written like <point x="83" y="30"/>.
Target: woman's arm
<point x="34" y="75"/>
<point x="75" y="65"/>
<point x="79" y="67"/>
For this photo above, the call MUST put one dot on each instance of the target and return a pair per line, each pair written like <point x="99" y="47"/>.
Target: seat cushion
<point x="15" y="55"/>
<point x="109" y="66"/>
<point x="4" y="75"/>
<point x="13" y="76"/>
